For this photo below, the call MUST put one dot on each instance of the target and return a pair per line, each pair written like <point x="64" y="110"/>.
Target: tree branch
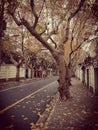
<point x="41" y="8"/>
<point x="77" y="10"/>
<point x="69" y="19"/>
<point x="72" y="36"/>
<point x="53" y="42"/>
<point x="37" y="36"/>
<point x="34" y="13"/>
<point x="18" y="22"/>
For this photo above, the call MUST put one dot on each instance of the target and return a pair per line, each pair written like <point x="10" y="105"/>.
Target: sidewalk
<point x="78" y="113"/>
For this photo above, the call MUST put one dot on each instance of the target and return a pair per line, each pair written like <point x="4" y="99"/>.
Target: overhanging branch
<point x="53" y="42"/>
<point x="34" y="13"/>
<point x="77" y="10"/>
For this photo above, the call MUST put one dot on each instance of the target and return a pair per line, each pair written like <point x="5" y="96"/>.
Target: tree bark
<point x="31" y="73"/>
<point x="63" y="78"/>
<point x="18" y="73"/>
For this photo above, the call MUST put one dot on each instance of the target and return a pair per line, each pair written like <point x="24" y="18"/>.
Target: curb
<point x="54" y="102"/>
<point x="42" y="122"/>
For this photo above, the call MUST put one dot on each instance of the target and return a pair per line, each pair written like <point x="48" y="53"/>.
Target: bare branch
<point x="19" y="23"/>
<point x="77" y="10"/>
<point x="42" y="8"/>
<point x="34" y="13"/>
<point x="53" y="42"/>
<point x="44" y="30"/>
<point x="36" y="35"/>
<point x="12" y="59"/>
<point x="87" y="41"/>
<point x="72" y="36"/>
<point x="69" y="19"/>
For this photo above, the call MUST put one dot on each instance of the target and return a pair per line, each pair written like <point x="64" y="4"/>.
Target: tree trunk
<point x="18" y="73"/>
<point x="31" y="73"/>
<point x="63" y="79"/>
<point x="69" y="73"/>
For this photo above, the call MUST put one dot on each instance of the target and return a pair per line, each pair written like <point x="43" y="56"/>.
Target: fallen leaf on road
<point x="41" y="125"/>
<point x="84" y="112"/>
<point x="65" y="114"/>
<point x="34" y="111"/>
<point x="69" y="113"/>
<point x="42" y="101"/>
<point x="48" y="96"/>
<point x="38" y="109"/>
<point x="23" y="116"/>
<point x="9" y="127"/>
<point x="47" y="105"/>
<point x="47" y="109"/>
<point x="33" y="126"/>
<point x="12" y="116"/>
<point x="39" y="114"/>
<point x="27" y="102"/>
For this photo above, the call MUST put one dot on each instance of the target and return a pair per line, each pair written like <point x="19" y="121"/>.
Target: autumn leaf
<point x="39" y="115"/>
<point x="65" y="114"/>
<point x="48" y="96"/>
<point x="38" y="109"/>
<point x="27" y="102"/>
<point x="34" y="111"/>
<point x="84" y="112"/>
<point x="47" y="105"/>
<point x="69" y="113"/>
<point x="32" y="125"/>
<point x="12" y="116"/>
<point x="25" y="118"/>
<point x="42" y="101"/>
<point x="41" y="125"/>
<point x="47" y="109"/>
<point x="9" y="127"/>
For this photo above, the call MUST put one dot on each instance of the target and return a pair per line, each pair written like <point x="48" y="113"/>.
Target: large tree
<point x="46" y="19"/>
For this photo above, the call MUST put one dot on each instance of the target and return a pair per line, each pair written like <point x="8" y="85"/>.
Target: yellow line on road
<point x="21" y="100"/>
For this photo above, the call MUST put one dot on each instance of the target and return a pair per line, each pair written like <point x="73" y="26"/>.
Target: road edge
<point x="43" y="120"/>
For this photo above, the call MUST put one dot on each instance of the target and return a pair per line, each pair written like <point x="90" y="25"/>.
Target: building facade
<point x="87" y="71"/>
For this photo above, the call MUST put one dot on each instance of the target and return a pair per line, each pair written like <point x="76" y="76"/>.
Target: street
<point x="22" y="105"/>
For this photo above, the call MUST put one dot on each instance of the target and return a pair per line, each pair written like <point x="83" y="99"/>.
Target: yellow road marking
<point x="21" y="100"/>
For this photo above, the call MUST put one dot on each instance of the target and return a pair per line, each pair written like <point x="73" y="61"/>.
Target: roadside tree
<point x="54" y="24"/>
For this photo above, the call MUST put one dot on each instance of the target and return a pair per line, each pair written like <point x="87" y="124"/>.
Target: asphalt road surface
<point x="22" y="105"/>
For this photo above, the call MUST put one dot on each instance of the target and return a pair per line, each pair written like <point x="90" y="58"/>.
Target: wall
<point x="78" y="73"/>
<point x="8" y="71"/>
<point x="91" y="78"/>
